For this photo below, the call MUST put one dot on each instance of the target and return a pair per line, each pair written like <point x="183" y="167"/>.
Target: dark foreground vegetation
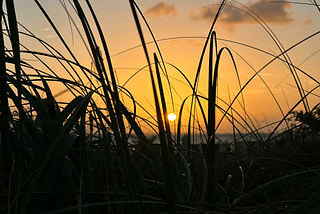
<point x="81" y="157"/>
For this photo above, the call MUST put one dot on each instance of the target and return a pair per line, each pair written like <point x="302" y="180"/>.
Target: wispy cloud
<point x="269" y="12"/>
<point x="46" y="29"/>
<point x="48" y="33"/>
<point x="306" y="20"/>
<point x="161" y="9"/>
<point x="193" y="42"/>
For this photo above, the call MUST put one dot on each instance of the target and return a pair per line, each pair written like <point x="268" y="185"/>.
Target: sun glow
<point x="172" y="117"/>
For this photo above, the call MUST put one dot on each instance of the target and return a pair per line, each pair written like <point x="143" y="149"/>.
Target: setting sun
<point x="172" y="117"/>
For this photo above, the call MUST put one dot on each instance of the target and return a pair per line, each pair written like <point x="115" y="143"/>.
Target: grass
<point x="85" y="157"/>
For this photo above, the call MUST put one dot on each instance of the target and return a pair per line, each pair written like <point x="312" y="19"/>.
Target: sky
<point x="254" y="32"/>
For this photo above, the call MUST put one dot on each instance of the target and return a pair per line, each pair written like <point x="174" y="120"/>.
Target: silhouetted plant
<point x="306" y="122"/>
<point x="76" y="156"/>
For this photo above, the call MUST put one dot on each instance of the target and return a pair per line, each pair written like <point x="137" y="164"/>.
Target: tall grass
<point x="85" y="156"/>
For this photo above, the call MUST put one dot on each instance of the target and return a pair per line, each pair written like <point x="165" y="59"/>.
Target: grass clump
<point x="91" y="155"/>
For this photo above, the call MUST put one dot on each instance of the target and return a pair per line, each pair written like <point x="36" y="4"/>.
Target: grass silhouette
<point x="91" y="155"/>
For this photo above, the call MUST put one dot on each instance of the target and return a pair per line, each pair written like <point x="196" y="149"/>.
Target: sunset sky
<point x="181" y="27"/>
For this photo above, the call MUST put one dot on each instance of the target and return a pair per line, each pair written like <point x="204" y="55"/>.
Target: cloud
<point x="174" y="41"/>
<point x="161" y="9"/>
<point x="306" y="20"/>
<point x="46" y="29"/>
<point x="193" y="42"/>
<point x="269" y="12"/>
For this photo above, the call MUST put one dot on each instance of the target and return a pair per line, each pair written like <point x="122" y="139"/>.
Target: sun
<point x="172" y="117"/>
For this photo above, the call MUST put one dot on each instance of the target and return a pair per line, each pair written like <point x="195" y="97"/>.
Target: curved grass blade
<point x="5" y="113"/>
<point x="164" y="147"/>
<point x="309" y="205"/>
<point x="116" y="116"/>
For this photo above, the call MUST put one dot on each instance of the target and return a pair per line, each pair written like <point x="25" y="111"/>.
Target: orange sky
<point x="184" y="26"/>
